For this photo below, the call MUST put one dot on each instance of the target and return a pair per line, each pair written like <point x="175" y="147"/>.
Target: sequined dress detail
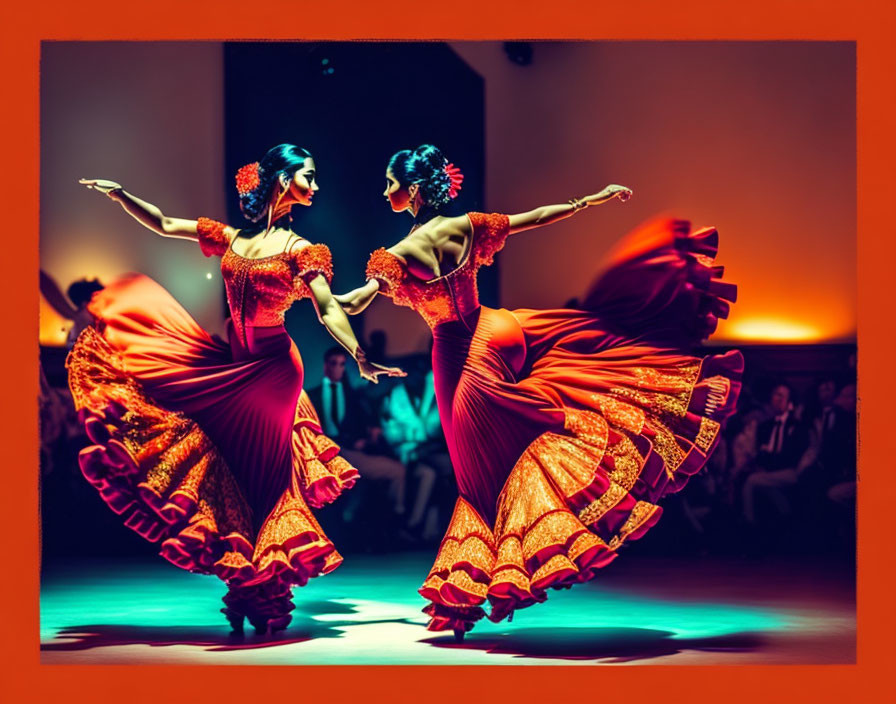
<point x="566" y="427"/>
<point x="210" y="447"/>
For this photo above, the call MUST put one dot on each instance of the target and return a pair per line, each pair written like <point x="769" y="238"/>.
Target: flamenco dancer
<point x="211" y="447"/>
<point x="565" y="427"/>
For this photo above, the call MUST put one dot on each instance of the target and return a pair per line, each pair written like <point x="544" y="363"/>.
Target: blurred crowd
<point x="783" y="477"/>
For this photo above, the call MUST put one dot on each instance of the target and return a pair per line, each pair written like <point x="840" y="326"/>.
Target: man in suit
<point x="345" y="419"/>
<point x="783" y="444"/>
<point x="412" y="426"/>
<point x="837" y="449"/>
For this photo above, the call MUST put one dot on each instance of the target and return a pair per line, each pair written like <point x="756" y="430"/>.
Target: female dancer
<point x="564" y="426"/>
<point x="212" y="447"/>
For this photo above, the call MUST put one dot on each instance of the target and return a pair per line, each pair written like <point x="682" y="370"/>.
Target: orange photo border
<point x="871" y="23"/>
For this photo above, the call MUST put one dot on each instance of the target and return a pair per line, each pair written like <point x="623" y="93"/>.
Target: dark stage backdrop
<point x="352" y="105"/>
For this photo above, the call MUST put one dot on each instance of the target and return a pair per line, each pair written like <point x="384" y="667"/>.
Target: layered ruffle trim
<point x="165" y="478"/>
<point x="680" y="296"/>
<point x="574" y="498"/>
<point x="325" y="475"/>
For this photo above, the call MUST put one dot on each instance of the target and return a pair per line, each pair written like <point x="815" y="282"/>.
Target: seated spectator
<point x="74" y="307"/>
<point x="411" y="424"/>
<point x="782" y="456"/>
<point x="376" y="346"/>
<point x="745" y="446"/>
<point x="345" y="419"/>
<point x="820" y="413"/>
<point x="837" y="449"/>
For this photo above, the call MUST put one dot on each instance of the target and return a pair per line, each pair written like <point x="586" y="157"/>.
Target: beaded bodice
<point x="449" y="297"/>
<point x="260" y="291"/>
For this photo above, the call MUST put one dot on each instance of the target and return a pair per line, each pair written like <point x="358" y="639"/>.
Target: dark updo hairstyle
<point x="282" y="159"/>
<point x="81" y="291"/>
<point x="424" y="166"/>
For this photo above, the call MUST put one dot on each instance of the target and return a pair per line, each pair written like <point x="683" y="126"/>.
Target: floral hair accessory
<point x="247" y="178"/>
<point x="455" y="177"/>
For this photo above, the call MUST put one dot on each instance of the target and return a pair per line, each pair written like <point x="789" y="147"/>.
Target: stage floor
<point x="644" y="610"/>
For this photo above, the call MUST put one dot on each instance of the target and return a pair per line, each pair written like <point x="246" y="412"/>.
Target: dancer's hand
<point x="102" y="185"/>
<point x="614" y="191"/>
<point x="371" y="371"/>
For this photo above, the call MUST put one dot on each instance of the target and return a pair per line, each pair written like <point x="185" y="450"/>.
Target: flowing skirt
<point x="566" y="427"/>
<point x="211" y="449"/>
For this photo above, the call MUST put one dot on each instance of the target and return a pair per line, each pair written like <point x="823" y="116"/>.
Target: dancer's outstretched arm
<point x="148" y="214"/>
<point x="355" y="301"/>
<point x="330" y="313"/>
<point x="547" y="214"/>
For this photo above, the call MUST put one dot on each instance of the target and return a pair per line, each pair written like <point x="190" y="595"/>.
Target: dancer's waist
<point x="259" y="339"/>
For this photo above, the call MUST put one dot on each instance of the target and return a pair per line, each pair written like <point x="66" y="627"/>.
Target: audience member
<point x="74" y="307"/>
<point x="345" y="418"/>
<point x="782" y="456"/>
<point x="837" y="448"/>
<point x="411" y="424"/>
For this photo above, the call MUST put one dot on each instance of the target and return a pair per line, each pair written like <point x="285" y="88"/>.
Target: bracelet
<point x="360" y="357"/>
<point x="577" y="204"/>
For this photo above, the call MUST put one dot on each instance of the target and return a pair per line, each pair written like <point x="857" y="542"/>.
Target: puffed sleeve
<point x="489" y="234"/>
<point x="385" y="268"/>
<point x="212" y="237"/>
<point x="310" y="261"/>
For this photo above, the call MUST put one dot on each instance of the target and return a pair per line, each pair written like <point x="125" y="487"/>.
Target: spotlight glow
<point x="774" y="330"/>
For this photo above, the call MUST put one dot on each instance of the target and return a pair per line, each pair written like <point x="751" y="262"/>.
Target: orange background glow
<point x="756" y="138"/>
<point x="869" y="22"/>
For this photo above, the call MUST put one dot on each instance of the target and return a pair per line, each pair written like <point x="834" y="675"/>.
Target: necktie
<point x="779" y="436"/>
<point x="336" y="403"/>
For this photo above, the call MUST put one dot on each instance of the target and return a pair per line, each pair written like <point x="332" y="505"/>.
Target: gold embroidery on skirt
<point x="628" y="462"/>
<point x="468" y="539"/>
<point x="666" y="447"/>
<point x="588" y="426"/>
<point x="640" y="513"/>
<point x="662" y="392"/>
<point x="171" y="452"/>
<point x="569" y="462"/>
<point x="709" y="429"/>
<point x="620" y="413"/>
<point x="679" y="378"/>
<point x="654" y="402"/>
<point x="596" y="509"/>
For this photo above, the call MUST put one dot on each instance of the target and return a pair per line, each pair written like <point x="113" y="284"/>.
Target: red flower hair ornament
<point x="455" y="177"/>
<point x="247" y="178"/>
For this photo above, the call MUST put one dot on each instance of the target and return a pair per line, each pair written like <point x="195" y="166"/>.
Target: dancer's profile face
<point x="304" y="183"/>
<point x="395" y="193"/>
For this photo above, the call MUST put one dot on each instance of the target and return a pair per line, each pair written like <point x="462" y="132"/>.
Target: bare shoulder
<point x="439" y="230"/>
<point x="453" y="226"/>
<point x="296" y="243"/>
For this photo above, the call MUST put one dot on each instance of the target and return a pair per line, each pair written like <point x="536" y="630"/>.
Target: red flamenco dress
<point x="565" y="427"/>
<point x="208" y="447"/>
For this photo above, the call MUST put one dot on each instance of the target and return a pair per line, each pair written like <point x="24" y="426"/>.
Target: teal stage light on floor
<point x="368" y="612"/>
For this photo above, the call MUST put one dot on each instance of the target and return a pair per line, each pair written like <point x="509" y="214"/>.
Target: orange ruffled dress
<point x="565" y="427"/>
<point x="211" y="447"/>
